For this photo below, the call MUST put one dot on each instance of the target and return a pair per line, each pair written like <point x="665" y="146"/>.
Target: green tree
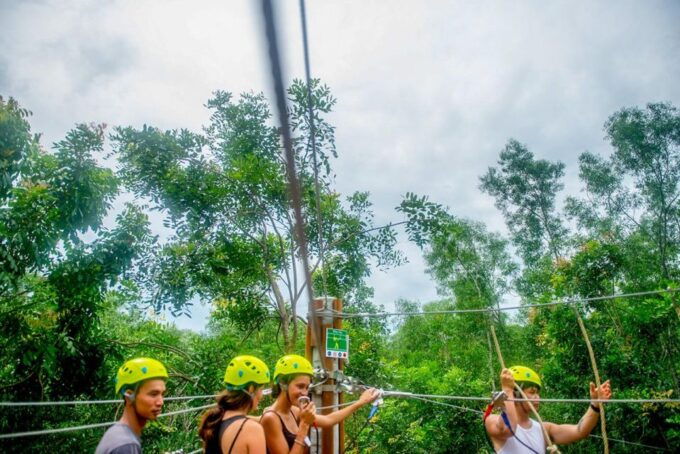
<point x="52" y="282"/>
<point x="468" y="263"/>
<point x="225" y="196"/>
<point x="525" y="189"/>
<point x="636" y="189"/>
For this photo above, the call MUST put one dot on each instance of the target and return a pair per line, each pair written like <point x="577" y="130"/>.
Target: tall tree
<point x="467" y="262"/>
<point x="637" y="190"/>
<point x="459" y="253"/>
<point x="525" y="189"/>
<point x="52" y="282"/>
<point x="225" y="196"/>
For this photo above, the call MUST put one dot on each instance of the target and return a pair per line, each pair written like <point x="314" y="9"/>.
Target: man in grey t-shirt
<point x="141" y="382"/>
<point x="119" y="439"/>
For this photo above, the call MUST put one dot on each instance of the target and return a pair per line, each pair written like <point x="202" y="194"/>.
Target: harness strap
<point x="507" y="423"/>
<point x="487" y="412"/>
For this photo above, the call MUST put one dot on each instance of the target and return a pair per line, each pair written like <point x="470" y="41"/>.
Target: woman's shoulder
<point x="252" y="426"/>
<point x="268" y="416"/>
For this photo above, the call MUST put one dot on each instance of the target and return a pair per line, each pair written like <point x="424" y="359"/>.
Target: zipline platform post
<point x="326" y="395"/>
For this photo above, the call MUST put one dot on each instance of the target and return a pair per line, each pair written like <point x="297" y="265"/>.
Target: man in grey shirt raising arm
<point x="141" y="383"/>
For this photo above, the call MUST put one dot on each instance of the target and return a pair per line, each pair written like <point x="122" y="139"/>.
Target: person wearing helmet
<point x="513" y="431"/>
<point x="226" y="429"/>
<point x="141" y="384"/>
<point x="286" y="423"/>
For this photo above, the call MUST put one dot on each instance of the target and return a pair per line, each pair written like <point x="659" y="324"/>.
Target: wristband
<point x="300" y="443"/>
<point x="595" y="409"/>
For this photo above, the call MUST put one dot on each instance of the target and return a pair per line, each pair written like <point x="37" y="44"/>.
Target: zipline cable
<point x="633" y="443"/>
<point x="91" y="402"/>
<point x="312" y="132"/>
<point x="344" y="404"/>
<point x="92" y="426"/>
<point x="504" y="308"/>
<point x="386" y="394"/>
<point x="291" y="173"/>
<point x="541" y="401"/>
<point x="417" y="396"/>
<point x="449" y="405"/>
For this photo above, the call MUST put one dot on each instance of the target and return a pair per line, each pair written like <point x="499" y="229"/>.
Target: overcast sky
<point x="428" y="91"/>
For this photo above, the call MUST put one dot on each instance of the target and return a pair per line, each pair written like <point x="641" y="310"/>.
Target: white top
<point x="533" y="437"/>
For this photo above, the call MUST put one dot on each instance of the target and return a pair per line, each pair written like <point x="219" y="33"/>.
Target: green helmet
<point x="523" y="374"/>
<point x="246" y="369"/>
<point x="139" y="369"/>
<point x="293" y="364"/>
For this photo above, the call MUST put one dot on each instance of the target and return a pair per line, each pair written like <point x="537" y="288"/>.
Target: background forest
<point x="84" y="279"/>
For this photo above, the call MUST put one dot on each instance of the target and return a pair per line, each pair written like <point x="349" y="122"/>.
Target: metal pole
<point x="337" y="324"/>
<point x="326" y="395"/>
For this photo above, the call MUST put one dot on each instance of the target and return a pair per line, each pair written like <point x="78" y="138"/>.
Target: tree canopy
<point x="84" y="281"/>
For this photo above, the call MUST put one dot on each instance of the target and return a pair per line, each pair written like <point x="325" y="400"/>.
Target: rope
<point x="551" y="445"/>
<point x="92" y="426"/>
<point x="293" y="182"/>
<point x="506" y="308"/>
<point x="593" y="363"/>
<point x="90" y="402"/>
<point x="492" y="376"/>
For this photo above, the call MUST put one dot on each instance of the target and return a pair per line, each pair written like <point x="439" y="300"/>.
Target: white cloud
<point x="428" y="92"/>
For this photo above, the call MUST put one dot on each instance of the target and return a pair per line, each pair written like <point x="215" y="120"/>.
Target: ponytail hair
<point x="208" y="429"/>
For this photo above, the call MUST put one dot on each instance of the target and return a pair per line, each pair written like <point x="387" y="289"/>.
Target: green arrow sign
<point x="337" y="343"/>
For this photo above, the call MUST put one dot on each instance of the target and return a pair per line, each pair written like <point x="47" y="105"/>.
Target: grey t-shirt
<point x="119" y="439"/>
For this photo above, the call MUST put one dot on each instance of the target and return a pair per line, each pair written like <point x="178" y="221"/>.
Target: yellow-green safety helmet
<point x="526" y="375"/>
<point x="246" y="369"/>
<point x="137" y="370"/>
<point x="293" y="364"/>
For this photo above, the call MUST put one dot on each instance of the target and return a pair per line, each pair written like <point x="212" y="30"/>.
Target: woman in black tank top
<point x="286" y="424"/>
<point x="287" y="434"/>
<point x="226" y="429"/>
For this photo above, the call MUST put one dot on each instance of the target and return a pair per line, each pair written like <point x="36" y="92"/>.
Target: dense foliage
<point x="83" y="279"/>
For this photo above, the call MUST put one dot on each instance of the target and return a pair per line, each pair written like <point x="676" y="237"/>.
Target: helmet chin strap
<point x="132" y="397"/>
<point x="284" y="387"/>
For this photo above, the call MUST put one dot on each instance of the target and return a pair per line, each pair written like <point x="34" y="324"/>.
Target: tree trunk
<point x="283" y="313"/>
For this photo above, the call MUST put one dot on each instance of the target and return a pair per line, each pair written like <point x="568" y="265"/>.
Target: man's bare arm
<point x="569" y="433"/>
<point x="564" y="434"/>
